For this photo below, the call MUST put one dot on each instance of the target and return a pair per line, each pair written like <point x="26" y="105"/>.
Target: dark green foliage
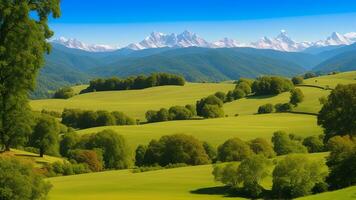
<point x="140" y="155"/>
<point x="262" y="146"/>
<point x="296" y="175"/>
<point x="314" y="144"/>
<point x="65" y="169"/>
<point x="296" y="96"/>
<point x="179" y="113"/>
<point x="210" y="151"/>
<point x="309" y="75"/>
<point x="297" y="80"/>
<point x="271" y="85"/>
<point x="138" y="82"/>
<point x="283" y="107"/>
<point x="341" y="162"/>
<point x="68" y="142"/>
<point x="267" y="108"/>
<point x="157" y="167"/>
<point x="64" y="93"/>
<point x="338" y="114"/>
<point x="116" y="152"/>
<point x="23" y="42"/>
<point x="192" y="109"/>
<point x="174" y="113"/>
<point x="19" y="181"/>
<point x="52" y="113"/>
<point x="283" y="144"/>
<point x="92" y="158"/>
<point x="85" y="119"/>
<point x="174" y="149"/>
<point x="245" y="80"/>
<point x="221" y="96"/>
<point x="210" y="107"/>
<point x="45" y="136"/>
<point x="244" y="86"/>
<point x="233" y="150"/>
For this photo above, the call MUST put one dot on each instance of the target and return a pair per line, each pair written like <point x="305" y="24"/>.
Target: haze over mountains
<point x="282" y="42"/>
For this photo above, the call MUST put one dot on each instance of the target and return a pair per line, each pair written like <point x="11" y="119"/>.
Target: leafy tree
<point x="245" y="87"/>
<point x="23" y="41"/>
<point x="233" y="150"/>
<point x="64" y="93"/>
<point x="151" y="116"/>
<point x="245" y="80"/>
<point x="297" y="80"/>
<point x="212" y="111"/>
<point x="267" y="108"/>
<point x="179" y="113"/>
<point x="116" y="152"/>
<point x="296" y="175"/>
<point x="140" y="155"/>
<point x="45" y="135"/>
<point x="296" y="96"/>
<point x="210" y="151"/>
<point x="283" y="107"/>
<point x="19" y="181"/>
<point x="89" y="157"/>
<point x="338" y="114"/>
<point x="221" y="96"/>
<point x="314" y="144"/>
<point x="68" y="142"/>
<point x="210" y="107"/>
<point x="262" y="146"/>
<point x="271" y="85"/>
<point x="192" y="109"/>
<point x="237" y="93"/>
<point x="105" y="118"/>
<point x="122" y="119"/>
<point x="283" y="144"/>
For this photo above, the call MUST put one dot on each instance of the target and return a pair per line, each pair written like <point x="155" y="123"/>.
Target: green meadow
<point x="332" y="80"/>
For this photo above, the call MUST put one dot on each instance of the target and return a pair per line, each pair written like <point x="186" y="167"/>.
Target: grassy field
<point x="135" y="103"/>
<point x="216" y="131"/>
<point x="332" y="80"/>
<point x="249" y="105"/>
<point x="344" y="194"/>
<point x="174" y="184"/>
<point x="35" y="158"/>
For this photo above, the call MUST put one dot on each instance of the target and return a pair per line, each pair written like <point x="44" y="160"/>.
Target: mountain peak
<point x="76" y="44"/>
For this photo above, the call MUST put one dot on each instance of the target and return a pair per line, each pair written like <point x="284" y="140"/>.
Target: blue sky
<point x="122" y="22"/>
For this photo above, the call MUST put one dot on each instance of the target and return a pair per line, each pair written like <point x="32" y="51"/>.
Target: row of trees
<point x="134" y="82"/>
<point x="173" y="113"/>
<point x="271" y="85"/>
<point x="64" y="93"/>
<point x="77" y="118"/>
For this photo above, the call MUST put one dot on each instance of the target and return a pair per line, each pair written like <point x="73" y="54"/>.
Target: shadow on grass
<point x="228" y="192"/>
<point x="260" y="96"/>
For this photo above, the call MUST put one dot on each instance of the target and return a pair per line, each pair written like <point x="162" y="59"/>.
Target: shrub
<point x="297" y="80"/>
<point x="64" y="93"/>
<point x="296" y="96"/>
<point x="245" y="87"/>
<point x="314" y="144"/>
<point x="116" y="152"/>
<point x="296" y="175"/>
<point x="174" y="149"/>
<point x="19" y="181"/>
<point x="179" y="113"/>
<point x="89" y="157"/>
<point x="212" y="111"/>
<point x="262" y="146"/>
<point x="283" y="107"/>
<point x="283" y="144"/>
<point x="210" y="151"/>
<point x="221" y="96"/>
<point x="270" y="85"/>
<point x="233" y="150"/>
<point x="210" y="107"/>
<point x="267" y="108"/>
<point x="140" y="155"/>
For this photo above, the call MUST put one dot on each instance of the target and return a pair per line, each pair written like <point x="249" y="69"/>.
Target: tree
<point x="283" y="107"/>
<point x="68" y="142"/>
<point x="338" y="114"/>
<point x="314" y="144"/>
<point x="210" y="151"/>
<point x="212" y="111"/>
<point x="64" y="93"/>
<point x="23" y="41"/>
<point x="249" y="173"/>
<point x="233" y="150"/>
<point x="19" y="181"/>
<point x="221" y="96"/>
<point x="179" y="113"/>
<point x="245" y="87"/>
<point x="264" y="109"/>
<point x="89" y="157"/>
<point x="283" y="144"/>
<point x="296" y="175"/>
<point x="140" y="155"/>
<point x="45" y="135"/>
<point x="296" y="96"/>
<point x="271" y="85"/>
<point x="297" y="80"/>
<point x="262" y="146"/>
<point x="116" y="152"/>
<point x="237" y="93"/>
<point x="210" y="100"/>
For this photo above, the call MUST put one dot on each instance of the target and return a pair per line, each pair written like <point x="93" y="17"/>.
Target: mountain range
<point x="282" y="42"/>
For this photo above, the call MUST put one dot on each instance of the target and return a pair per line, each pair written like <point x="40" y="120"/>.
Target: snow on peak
<point x="76" y="44"/>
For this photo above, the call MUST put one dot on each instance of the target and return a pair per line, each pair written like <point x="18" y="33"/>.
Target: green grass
<point x="249" y="105"/>
<point x="332" y="80"/>
<point x="216" y="131"/>
<point x="174" y="184"/>
<point x="343" y="194"/>
<point x="79" y="88"/>
<point x="135" y="103"/>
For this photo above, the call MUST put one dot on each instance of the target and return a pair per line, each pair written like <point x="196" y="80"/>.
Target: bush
<point x="138" y="82"/>
<point x="174" y="149"/>
<point x="210" y="151"/>
<point x="212" y="111"/>
<point x="262" y="146"/>
<point x="237" y="93"/>
<point x="267" y="108"/>
<point x="296" y="96"/>
<point x="283" y="144"/>
<point x="116" y="152"/>
<point x="314" y="144"/>
<point x="245" y="87"/>
<point x="68" y="142"/>
<point x="233" y="150"/>
<point x="92" y="158"/>
<point x="65" y="169"/>
<point x="221" y="96"/>
<point x="140" y="155"/>
<point x="297" y="175"/>
<point x="179" y="113"/>
<point x="283" y="107"/>
<point x="174" y="113"/>
<point x="64" y="93"/>
<point x="210" y="107"/>
<point x="19" y="181"/>
<point x="297" y="80"/>
<point x="270" y="85"/>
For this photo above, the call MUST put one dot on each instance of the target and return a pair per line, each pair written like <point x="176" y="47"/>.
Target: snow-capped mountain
<point x="159" y="40"/>
<point x="227" y="43"/>
<point x="76" y="44"/>
<point x="338" y="39"/>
